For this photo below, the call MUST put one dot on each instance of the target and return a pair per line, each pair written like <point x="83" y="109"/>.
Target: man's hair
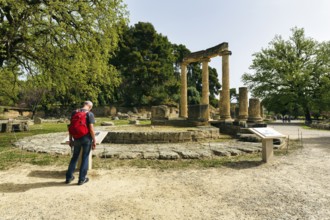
<point x="89" y="103"/>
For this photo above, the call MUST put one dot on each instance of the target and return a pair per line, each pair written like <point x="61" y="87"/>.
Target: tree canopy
<point x="145" y="61"/>
<point x="67" y="44"/>
<point x="59" y="53"/>
<point x="292" y="75"/>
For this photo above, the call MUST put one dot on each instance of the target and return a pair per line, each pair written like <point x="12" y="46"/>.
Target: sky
<point x="247" y="25"/>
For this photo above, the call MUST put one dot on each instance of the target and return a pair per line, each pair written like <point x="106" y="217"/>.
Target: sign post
<point x="267" y="135"/>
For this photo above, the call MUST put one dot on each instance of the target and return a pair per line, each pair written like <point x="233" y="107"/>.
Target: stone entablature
<point x="208" y="53"/>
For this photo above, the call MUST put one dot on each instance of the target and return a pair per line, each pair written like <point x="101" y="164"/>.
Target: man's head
<point x="88" y="104"/>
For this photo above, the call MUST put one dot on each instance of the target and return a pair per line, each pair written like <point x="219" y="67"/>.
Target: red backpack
<point x="78" y="126"/>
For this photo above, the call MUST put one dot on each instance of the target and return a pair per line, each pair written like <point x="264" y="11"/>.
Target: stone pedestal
<point x="254" y="111"/>
<point x="198" y="113"/>
<point x="184" y="99"/>
<point x="225" y="113"/>
<point x="267" y="150"/>
<point x="243" y="104"/>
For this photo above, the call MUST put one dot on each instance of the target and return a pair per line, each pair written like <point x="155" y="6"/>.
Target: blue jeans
<point x="84" y="143"/>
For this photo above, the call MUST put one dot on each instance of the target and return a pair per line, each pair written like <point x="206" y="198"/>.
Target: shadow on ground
<point x="319" y="142"/>
<point x="239" y="165"/>
<point x="23" y="187"/>
<point x="48" y="174"/>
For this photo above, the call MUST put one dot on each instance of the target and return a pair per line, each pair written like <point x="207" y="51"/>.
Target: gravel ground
<point x="290" y="187"/>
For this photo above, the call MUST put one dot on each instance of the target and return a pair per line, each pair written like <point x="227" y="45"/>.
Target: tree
<point x="67" y="42"/>
<point x="145" y="61"/>
<point x="194" y="76"/>
<point x="9" y="88"/>
<point x="291" y="74"/>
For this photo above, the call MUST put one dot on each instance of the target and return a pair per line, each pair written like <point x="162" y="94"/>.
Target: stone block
<point x="220" y="152"/>
<point x="188" y="154"/>
<point x="247" y="149"/>
<point x="150" y="155"/>
<point x="110" y="154"/>
<point x="130" y="155"/>
<point x="160" y="112"/>
<point x="204" y="153"/>
<point x="235" y="152"/>
<point x="168" y="155"/>
<point x="37" y="120"/>
<point x="107" y="123"/>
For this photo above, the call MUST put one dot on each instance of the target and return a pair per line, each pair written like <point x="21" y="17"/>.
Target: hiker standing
<point x="81" y="137"/>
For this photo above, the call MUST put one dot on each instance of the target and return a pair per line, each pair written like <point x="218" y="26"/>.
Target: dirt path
<point x="290" y="187"/>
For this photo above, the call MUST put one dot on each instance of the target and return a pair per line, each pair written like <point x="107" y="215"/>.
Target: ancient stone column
<point x="205" y="85"/>
<point x="254" y="110"/>
<point x="243" y="104"/>
<point x="261" y="111"/>
<point x="225" y="113"/>
<point x="205" y="81"/>
<point x="184" y="99"/>
<point x="220" y="102"/>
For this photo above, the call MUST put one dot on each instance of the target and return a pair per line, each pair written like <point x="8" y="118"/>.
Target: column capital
<point x="205" y="59"/>
<point x="225" y="52"/>
<point x="184" y="64"/>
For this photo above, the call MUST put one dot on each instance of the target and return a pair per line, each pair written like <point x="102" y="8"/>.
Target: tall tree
<point x="145" y="60"/>
<point x="67" y="42"/>
<point x="291" y="74"/>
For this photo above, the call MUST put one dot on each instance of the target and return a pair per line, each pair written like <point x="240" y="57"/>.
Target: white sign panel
<point x="266" y="133"/>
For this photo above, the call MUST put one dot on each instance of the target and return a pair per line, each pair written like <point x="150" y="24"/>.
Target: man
<point x="82" y="142"/>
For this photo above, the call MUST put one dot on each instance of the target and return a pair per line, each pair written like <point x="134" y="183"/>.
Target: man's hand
<point x="71" y="143"/>
<point x="91" y="131"/>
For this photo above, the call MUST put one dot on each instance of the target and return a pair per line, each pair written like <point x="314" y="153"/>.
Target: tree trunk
<point x="308" y="117"/>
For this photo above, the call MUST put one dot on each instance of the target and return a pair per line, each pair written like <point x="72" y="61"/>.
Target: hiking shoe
<point x="70" y="180"/>
<point x="84" y="181"/>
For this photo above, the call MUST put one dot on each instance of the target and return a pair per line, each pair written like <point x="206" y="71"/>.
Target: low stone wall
<point x="161" y="137"/>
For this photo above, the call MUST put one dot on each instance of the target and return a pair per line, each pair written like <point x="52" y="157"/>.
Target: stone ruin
<point x="248" y="114"/>
<point x="12" y="125"/>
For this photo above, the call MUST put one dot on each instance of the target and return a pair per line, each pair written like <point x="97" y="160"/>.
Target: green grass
<point x="11" y="156"/>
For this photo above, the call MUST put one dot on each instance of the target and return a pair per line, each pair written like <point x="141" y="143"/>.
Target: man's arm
<point x="70" y="140"/>
<point x="91" y="131"/>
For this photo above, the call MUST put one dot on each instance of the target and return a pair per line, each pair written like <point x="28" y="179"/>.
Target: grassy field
<point x="11" y="156"/>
